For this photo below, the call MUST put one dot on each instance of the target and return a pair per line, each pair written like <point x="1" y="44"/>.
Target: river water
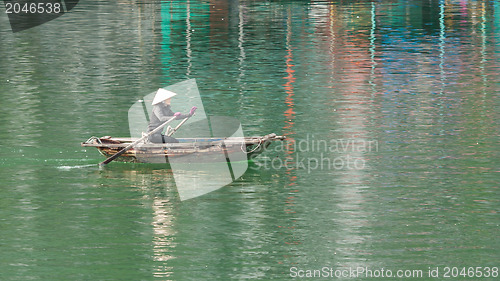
<point x="391" y="161"/>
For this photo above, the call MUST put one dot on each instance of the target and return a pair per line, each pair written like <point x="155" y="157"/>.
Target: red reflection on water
<point x="289" y="90"/>
<point x="289" y="113"/>
<point x="219" y="22"/>
<point x="289" y="131"/>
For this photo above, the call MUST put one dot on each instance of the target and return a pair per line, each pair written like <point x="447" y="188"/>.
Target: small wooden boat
<point x="207" y="149"/>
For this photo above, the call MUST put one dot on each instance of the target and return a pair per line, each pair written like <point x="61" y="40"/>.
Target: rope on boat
<point x="254" y="149"/>
<point x="92" y="138"/>
<point x="98" y="140"/>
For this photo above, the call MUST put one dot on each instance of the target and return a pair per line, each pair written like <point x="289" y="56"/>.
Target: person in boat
<point x="163" y="112"/>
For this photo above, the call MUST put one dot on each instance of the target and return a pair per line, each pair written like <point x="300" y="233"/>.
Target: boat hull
<point x="188" y="150"/>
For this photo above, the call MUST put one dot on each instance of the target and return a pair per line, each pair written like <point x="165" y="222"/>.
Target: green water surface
<point x="390" y="108"/>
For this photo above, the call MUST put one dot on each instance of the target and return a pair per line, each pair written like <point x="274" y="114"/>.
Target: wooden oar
<point x="177" y="127"/>
<point x="125" y="149"/>
<point x="191" y="113"/>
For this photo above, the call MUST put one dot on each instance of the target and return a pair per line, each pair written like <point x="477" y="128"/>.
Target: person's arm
<point x="182" y="116"/>
<point x="165" y="113"/>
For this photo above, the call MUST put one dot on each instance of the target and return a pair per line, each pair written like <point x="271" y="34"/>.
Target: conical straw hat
<point x="162" y="95"/>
